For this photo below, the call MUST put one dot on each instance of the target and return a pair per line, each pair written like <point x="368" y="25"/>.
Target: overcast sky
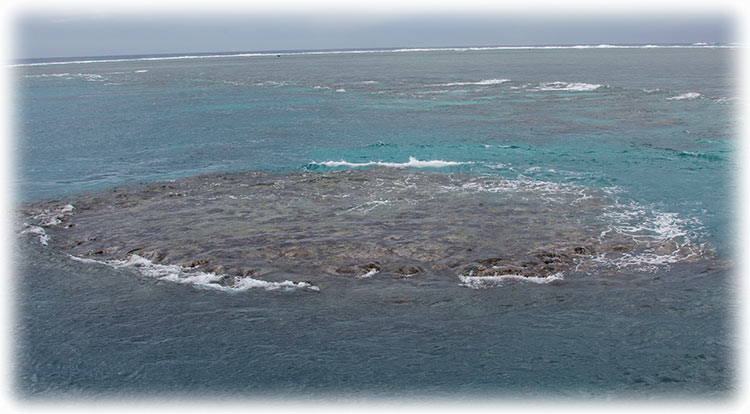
<point x="48" y="34"/>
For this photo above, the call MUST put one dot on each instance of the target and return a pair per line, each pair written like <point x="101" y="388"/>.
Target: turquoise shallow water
<point x="653" y="129"/>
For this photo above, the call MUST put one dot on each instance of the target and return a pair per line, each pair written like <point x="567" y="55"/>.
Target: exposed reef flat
<point x="379" y="222"/>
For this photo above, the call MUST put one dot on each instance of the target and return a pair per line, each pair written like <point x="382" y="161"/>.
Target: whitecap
<point x="339" y="52"/>
<point x="568" y="86"/>
<point x="635" y="221"/>
<point x="206" y="280"/>
<point x="481" y="82"/>
<point x="498" y="166"/>
<point x="685" y="96"/>
<point x="43" y="237"/>
<point x="434" y="92"/>
<point x="724" y="100"/>
<point x="601" y="46"/>
<point x="369" y="206"/>
<point x="413" y="162"/>
<point x="47" y="217"/>
<point x="369" y="274"/>
<point x="49" y="75"/>
<point x="484" y="282"/>
<point x="271" y="83"/>
<point x="92" y="77"/>
<point x="524" y="184"/>
<point x="662" y="238"/>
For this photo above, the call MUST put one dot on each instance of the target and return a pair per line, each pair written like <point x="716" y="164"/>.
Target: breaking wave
<point x="481" y="82"/>
<point x="413" y="162"/>
<point x="568" y="86"/>
<point x="401" y="50"/>
<point x="207" y="280"/>
<point x="485" y="282"/>
<point x="685" y="96"/>
<point x="46" y="218"/>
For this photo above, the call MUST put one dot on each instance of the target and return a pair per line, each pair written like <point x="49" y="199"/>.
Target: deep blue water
<point x="652" y="127"/>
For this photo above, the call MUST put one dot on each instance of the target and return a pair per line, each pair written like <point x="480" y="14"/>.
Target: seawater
<point x="500" y="151"/>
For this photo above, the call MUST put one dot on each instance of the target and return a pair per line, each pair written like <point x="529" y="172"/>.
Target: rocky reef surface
<point x="377" y="222"/>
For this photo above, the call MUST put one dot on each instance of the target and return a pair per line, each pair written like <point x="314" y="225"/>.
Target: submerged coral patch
<point x="234" y="231"/>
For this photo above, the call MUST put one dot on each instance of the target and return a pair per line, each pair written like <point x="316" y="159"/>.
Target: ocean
<point x="468" y="223"/>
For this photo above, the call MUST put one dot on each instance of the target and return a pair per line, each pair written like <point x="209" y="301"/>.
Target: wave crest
<point x="685" y="96"/>
<point x="568" y="86"/>
<point x="413" y="162"/>
<point x="485" y="282"/>
<point x="481" y="82"/>
<point x="206" y="280"/>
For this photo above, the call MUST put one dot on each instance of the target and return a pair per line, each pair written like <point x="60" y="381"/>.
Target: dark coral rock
<point x="371" y="266"/>
<point x="409" y="270"/>
<point x="197" y="263"/>
<point x="492" y="261"/>
<point x="345" y="270"/>
<point x="551" y="257"/>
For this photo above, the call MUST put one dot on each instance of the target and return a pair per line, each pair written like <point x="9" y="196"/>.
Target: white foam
<point x="568" y="86"/>
<point x="413" y="162"/>
<point x="140" y="71"/>
<point x="271" y="83"/>
<point x="602" y="46"/>
<point x="724" y="100"/>
<point x="662" y="238"/>
<point x="85" y="260"/>
<point x="684" y="96"/>
<point x="43" y="237"/>
<point x="206" y="280"/>
<point x="340" y="90"/>
<point x="403" y="50"/>
<point x="611" y="190"/>
<point x="93" y="77"/>
<point x="481" y="82"/>
<point x="49" y="75"/>
<point x="535" y="186"/>
<point x="48" y="218"/>
<point x="647" y="261"/>
<point x="498" y="166"/>
<point x="434" y="92"/>
<point x="369" y="274"/>
<point x="484" y="282"/>
<point x="370" y="205"/>
<point x="635" y="221"/>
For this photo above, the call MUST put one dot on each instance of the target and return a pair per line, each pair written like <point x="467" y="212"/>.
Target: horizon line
<point x="60" y="60"/>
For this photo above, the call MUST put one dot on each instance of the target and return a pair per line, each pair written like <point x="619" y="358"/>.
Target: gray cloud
<point x="47" y="35"/>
